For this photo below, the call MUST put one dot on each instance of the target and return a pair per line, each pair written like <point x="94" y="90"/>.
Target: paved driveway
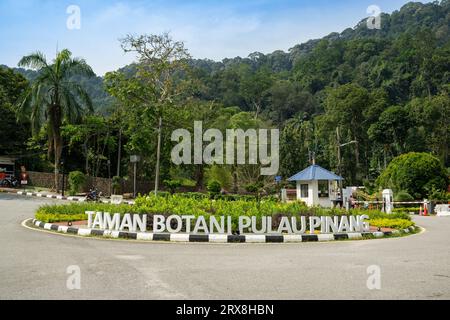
<point x="33" y="265"/>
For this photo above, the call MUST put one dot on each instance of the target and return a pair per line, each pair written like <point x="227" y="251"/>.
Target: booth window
<point x="324" y="189"/>
<point x="304" y="191"/>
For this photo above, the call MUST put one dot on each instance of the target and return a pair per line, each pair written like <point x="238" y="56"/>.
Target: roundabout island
<point x="183" y="218"/>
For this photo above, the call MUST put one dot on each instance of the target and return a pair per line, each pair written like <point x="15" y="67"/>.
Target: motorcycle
<point x="10" y="182"/>
<point x="93" y="195"/>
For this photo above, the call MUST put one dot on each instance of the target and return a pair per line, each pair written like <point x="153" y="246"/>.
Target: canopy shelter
<point x="317" y="186"/>
<point x="7" y="166"/>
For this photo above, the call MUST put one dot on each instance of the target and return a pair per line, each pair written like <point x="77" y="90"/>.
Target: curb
<point x="51" y="196"/>
<point x="217" y="238"/>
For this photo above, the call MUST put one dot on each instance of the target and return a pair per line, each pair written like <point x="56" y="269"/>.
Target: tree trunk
<point x="55" y="122"/>
<point x="86" y="156"/>
<point x="158" y="156"/>
<point x="199" y="177"/>
<point x="97" y="171"/>
<point x="58" y="152"/>
<point x="119" y="153"/>
<point x="257" y="109"/>
<point x="235" y="179"/>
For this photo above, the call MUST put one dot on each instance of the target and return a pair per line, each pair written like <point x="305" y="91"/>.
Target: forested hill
<point x="387" y="89"/>
<point x="411" y="18"/>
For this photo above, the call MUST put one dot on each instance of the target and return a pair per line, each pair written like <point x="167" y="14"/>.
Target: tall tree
<point x="254" y="88"/>
<point x="155" y="87"/>
<point x="54" y="97"/>
<point x="13" y="134"/>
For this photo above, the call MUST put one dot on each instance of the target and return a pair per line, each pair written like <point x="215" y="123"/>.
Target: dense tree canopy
<point x="13" y="134"/>
<point x="386" y="91"/>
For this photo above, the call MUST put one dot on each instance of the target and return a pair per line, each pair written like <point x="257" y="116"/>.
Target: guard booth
<point x="317" y="186"/>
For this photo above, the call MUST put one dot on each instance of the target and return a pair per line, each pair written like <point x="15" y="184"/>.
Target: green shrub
<point x="115" y="184"/>
<point x="172" y="185"/>
<point x="188" y="183"/>
<point x="403" y="196"/>
<point x="438" y="195"/>
<point x="214" y="187"/>
<point x="77" y="180"/>
<point x="76" y="211"/>
<point x="163" y="194"/>
<point x="415" y="173"/>
<point x="252" y="187"/>
<point x="236" y="197"/>
<point x="375" y="214"/>
<point x="406" y="210"/>
<point x="391" y="223"/>
<point x="194" y="195"/>
<point x="221" y="174"/>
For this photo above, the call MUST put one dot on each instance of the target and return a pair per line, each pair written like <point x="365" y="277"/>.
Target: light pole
<point x="109" y="176"/>
<point x="339" y="157"/>
<point x="134" y="159"/>
<point x="63" y="176"/>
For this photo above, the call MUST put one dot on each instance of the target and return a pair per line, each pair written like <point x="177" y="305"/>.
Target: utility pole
<point x="134" y="159"/>
<point x="339" y="146"/>
<point x="63" y="178"/>
<point x="134" y="180"/>
<point x="109" y="176"/>
<point x="312" y="157"/>
<point x="158" y="155"/>
<point x="119" y="153"/>
<point x="338" y="136"/>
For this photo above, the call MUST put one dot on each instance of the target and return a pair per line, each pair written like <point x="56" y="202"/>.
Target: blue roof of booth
<point x="315" y="172"/>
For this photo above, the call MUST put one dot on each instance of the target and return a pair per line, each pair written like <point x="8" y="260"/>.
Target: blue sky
<point x="210" y="28"/>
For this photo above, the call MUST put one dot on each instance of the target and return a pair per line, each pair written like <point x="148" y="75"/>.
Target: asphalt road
<point x="33" y="265"/>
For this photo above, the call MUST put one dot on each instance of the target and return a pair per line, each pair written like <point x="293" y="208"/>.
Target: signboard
<point x="135" y="159"/>
<point x="23" y="176"/>
<point x="223" y="224"/>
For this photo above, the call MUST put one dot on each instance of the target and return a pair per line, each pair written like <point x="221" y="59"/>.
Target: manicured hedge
<point x="391" y="223"/>
<point x="76" y="211"/>
<point x="406" y="210"/>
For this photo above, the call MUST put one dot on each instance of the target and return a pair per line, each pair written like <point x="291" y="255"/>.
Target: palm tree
<point x="54" y="97"/>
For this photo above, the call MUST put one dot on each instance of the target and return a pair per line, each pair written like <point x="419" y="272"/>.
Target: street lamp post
<point x="109" y="175"/>
<point x="134" y="159"/>
<point x="339" y="158"/>
<point x="63" y="178"/>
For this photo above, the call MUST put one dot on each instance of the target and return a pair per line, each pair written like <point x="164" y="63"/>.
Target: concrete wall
<point x="46" y="180"/>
